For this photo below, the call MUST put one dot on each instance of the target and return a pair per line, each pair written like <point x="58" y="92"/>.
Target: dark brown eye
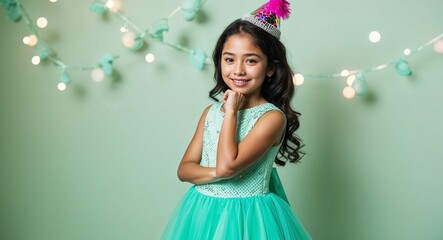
<point x="251" y="61"/>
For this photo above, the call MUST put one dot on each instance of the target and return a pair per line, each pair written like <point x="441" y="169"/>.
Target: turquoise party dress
<point x="241" y="207"/>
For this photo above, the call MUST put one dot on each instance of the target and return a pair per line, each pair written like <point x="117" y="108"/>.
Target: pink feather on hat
<point x="279" y="7"/>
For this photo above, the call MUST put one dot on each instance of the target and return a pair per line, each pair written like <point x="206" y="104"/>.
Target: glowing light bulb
<point x="53" y="1"/>
<point x="350" y="81"/>
<point x="35" y="60"/>
<point x="42" y="22"/>
<point x="298" y="79"/>
<point x="438" y="46"/>
<point x="34" y="40"/>
<point x="128" y="39"/>
<point x="407" y="51"/>
<point x="97" y="75"/>
<point x="345" y="73"/>
<point x="61" y="86"/>
<point x="109" y="4"/>
<point x="150" y="57"/>
<point x="30" y="40"/>
<point x="348" y="92"/>
<point x="113" y="5"/>
<point x="123" y="29"/>
<point x="374" y="36"/>
<point x="26" y="40"/>
<point x="132" y="41"/>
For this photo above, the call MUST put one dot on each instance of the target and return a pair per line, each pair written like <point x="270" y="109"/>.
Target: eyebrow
<point x="247" y="54"/>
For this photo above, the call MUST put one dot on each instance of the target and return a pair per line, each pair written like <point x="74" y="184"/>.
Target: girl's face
<point x="244" y="67"/>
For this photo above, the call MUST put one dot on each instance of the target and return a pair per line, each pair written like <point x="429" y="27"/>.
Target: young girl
<point x="230" y="158"/>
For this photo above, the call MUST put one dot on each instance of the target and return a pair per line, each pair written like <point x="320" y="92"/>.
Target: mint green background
<point x="98" y="161"/>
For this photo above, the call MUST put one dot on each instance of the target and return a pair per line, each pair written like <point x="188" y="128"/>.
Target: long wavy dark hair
<point x="279" y="90"/>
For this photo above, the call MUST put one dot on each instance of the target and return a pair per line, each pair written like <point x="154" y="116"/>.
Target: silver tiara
<point x="263" y="25"/>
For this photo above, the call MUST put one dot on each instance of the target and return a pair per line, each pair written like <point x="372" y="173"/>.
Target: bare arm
<point x="232" y="157"/>
<point x="189" y="169"/>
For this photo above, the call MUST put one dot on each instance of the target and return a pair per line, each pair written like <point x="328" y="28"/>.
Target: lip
<point x="239" y="82"/>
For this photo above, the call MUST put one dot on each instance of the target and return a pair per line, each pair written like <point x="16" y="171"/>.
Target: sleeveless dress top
<point x="252" y="181"/>
<point x="241" y="207"/>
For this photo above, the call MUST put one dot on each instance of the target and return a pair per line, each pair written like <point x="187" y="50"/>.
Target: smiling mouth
<point x="239" y="82"/>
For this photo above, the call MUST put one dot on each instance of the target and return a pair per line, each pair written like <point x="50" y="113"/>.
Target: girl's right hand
<point x="233" y="101"/>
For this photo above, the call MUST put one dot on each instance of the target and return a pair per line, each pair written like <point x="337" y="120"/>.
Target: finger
<point x="225" y="96"/>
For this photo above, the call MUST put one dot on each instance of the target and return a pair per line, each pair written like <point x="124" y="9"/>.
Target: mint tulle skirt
<point x="199" y="216"/>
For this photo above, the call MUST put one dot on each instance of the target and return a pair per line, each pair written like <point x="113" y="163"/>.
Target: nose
<point x="239" y="69"/>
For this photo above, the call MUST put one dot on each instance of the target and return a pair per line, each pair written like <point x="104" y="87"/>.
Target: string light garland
<point x="134" y="37"/>
<point x="355" y="79"/>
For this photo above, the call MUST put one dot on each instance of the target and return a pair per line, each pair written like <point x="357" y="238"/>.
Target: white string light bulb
<point x="26" y="40"/>
<point x="97" y="75"/>
<point x="374" y="36"/>
<point x="30" y="40"/>
<point x="348" y="92"/>
<point x="150" y="58"/>
<point x="128" y="39"/>
<point x="61" y="86"/>
<point x="109" y="4"/>
<point x="132" y="41"/>
<point x="35" y="60"/>
<point x="33" y="40"/>
<point x="345" y="73"/>
<point x="298" y="79"/>
<point x="42" y="22"/>
<point x="350" y="81"/>
<point x="113" y="5"/>
<point x="123" y="29"/>
<point x="438" y="46"/>
<point x="407" y="51"/>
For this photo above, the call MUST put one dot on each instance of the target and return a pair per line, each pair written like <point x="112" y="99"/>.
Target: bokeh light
<point x="407" y="51"/>
<point x="438" y="46"/>
<point x="298" y="79"/>
<point x="97" y="75"/>
<point x="374" y="37"/>
<point x="350" y="81"/>
<point x="348" y="92"/>
<point x="30" y="40"/>
<point x="150" y="58"/>
<point x="61" y="86"/>
<point x="35" y="60"/>
<point x="42" y="22"/>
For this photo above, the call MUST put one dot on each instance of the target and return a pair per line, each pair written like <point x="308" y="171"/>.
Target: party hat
<point x="268" y="16"/>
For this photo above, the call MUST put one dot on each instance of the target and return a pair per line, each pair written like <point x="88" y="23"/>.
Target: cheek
<point x="225" y="69"/>
<point x="258" y="73"/>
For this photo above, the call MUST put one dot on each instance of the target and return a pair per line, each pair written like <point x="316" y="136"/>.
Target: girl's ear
<point x="270" y="71"/>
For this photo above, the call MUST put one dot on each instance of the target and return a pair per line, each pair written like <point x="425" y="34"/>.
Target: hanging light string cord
<point x="145" y="34"/>
<point x="376" y="68"/>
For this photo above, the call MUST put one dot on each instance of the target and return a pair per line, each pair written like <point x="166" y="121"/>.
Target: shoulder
<point x="273" y="113"/>
<point x="274" y="117"/>
<point x="271" y="125"/>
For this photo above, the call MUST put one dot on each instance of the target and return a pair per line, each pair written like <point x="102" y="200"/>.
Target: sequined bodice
<point x="252" y="181"/>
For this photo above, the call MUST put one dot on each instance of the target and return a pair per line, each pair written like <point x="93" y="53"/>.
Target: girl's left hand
<point x="233" y="100"/>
